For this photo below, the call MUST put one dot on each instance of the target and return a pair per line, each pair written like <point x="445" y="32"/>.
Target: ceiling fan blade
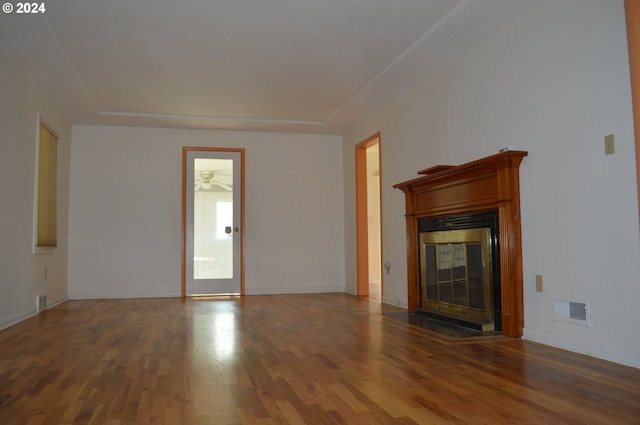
<point x="222" y="185"/>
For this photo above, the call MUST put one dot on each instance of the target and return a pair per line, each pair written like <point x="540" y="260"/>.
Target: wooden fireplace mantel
<point x="491" y="183"/>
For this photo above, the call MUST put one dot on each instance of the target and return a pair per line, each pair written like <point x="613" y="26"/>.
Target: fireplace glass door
<point x="456" y="274"/>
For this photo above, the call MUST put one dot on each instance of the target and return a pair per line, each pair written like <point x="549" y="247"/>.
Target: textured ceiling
<point x="309" y="66"/>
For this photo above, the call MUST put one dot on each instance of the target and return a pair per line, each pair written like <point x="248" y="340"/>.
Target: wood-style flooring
<point x="289" y="359"/>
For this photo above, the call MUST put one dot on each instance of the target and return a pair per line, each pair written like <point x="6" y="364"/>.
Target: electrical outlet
<point x="539" y="287"/>
<point x="609" y="144"/>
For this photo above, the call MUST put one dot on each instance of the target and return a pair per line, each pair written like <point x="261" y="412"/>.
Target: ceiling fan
<point x="206" y="181"/>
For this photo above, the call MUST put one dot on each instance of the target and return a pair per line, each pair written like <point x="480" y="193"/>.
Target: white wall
<point x="22" y="272"/>
<point x="554" y="82"/>
<point x="125" y="211"/>
<point x="373" y="213"/>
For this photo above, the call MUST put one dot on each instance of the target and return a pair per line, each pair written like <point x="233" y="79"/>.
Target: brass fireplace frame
<point x="491" y="183"/>
<point x="461" y="306"/>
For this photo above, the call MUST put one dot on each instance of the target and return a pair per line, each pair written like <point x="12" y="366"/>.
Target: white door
<point x="213" y="241"/>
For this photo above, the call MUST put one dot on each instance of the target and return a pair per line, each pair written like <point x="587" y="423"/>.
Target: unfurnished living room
<point x="301" y="212"/>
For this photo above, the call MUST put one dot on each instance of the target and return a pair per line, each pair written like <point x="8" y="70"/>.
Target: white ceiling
<point x="308" y="66"/>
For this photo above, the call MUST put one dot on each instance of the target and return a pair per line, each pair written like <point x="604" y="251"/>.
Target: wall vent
<point x="572" y="311"/>
<point x="41" y="303"/>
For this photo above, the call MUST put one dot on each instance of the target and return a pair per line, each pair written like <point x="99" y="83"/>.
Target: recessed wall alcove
<point x="487" y="184"/>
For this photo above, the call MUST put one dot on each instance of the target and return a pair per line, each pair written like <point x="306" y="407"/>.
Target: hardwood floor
<point x="289" y="359"/>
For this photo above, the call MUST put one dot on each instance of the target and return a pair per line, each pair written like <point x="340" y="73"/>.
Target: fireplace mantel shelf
<point x="438" y="172"/>
<point x="490" y="183"/>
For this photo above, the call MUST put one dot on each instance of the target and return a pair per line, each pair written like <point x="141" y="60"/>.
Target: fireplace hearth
<point x="464" y="252"/>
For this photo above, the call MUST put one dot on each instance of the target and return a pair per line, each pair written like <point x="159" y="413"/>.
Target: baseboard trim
<point x="286" y="291"/>
<point x="111" y="296"/>
<point x="270" y="291"/>
<point x="56" y="303"/>
<point x="610" y="353"/>
<point x="14" y="320"/>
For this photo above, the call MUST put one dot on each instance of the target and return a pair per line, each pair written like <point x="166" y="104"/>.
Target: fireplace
<point x="459" y="269"/>
<point x="454" y="199"/>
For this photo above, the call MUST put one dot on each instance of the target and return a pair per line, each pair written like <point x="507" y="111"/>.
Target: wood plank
<point x="290" y="359"/>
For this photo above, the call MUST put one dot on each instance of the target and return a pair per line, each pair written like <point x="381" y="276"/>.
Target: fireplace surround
<point x="481" y="186"/>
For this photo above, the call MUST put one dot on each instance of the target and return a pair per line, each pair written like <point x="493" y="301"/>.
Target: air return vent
<point x="573" y="311"/>
<point x="41" y="303"/>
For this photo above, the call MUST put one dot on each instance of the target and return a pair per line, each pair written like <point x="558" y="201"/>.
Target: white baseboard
<point x="57" y="302"/>
<point x="397" y="302"/>
<point x="26" y="314"/>
<point x="14" y="320"/>
<point x="269" y="291"/>
<point x="286" y="291"/>
<point x="112" y="296"/>
<point x="605" y="352"/>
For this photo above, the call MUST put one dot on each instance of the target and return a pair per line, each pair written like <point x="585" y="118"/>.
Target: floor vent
<point x="41" y="303"/>
<point x="573" y="311"/>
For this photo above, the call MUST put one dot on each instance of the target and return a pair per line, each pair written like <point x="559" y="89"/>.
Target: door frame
<point x="362" y="220"/>
<point x="632" y="12"/>
<point x="185" y="151"/>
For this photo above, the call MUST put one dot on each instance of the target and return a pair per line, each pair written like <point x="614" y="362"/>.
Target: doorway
<point x="368" y="218"/>
<point x="212" y="224"/>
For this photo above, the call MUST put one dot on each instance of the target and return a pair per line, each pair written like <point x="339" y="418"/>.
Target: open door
<point x="212" y="221"/>
<point x="368" y="218"/>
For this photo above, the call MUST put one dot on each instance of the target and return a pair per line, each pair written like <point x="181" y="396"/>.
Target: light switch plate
<point x="609" y="144"/>
<point x="539" y="283"/>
